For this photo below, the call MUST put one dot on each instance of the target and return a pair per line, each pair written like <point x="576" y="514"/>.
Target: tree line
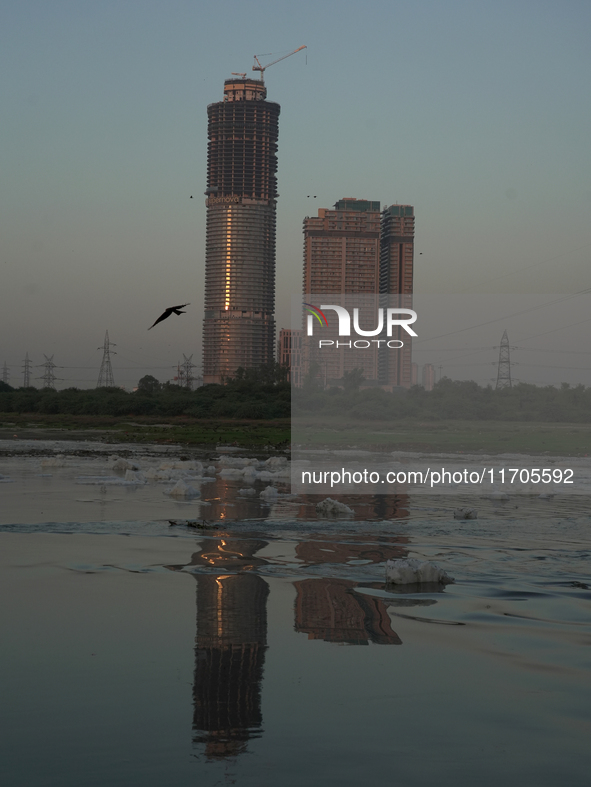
<point x="449" y="400"/>
<point x="265" y="394"/>
<point x="256" y="394"/>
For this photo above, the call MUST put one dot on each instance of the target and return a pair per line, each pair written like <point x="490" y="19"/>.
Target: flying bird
<point x="168" y="312"/>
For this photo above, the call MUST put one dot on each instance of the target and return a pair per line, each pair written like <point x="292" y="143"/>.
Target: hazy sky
<point x="477" y="113"/>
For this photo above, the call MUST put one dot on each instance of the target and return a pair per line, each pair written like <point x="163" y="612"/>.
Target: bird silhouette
<point x="168" y="312"/>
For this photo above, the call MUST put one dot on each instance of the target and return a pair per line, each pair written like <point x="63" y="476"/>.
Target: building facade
<point x="239" y="323"/>
<point x="396" y="278"/>
<point x="354" y="249"/>
<point x="342" y="256"/>
<point x="428" y="376"/>
<point x="342" y="248"/>
<point x="290" y="354"/>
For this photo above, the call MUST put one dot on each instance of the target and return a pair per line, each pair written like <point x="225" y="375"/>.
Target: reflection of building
<point x="239" y="326"/>
<point x="314" y="552"/>
<point x="229" y="657"/>
<point x="290" y="354"/>
<point x="230" y="647"/>
<point x="329" y="609"/>
<point x="428" y="376"/>
<point x="380" y="506"/>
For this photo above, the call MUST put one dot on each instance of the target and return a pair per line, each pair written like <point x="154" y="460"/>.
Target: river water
<point x="265" y="648"/>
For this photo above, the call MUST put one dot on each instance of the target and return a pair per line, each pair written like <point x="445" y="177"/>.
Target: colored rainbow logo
<point x="320" y="316"/>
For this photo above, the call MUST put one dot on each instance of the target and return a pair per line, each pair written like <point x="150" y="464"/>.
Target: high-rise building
<point x="396" y="278"/>
<point x="342" y="256"/>
<point x="353" y="249"/>
<point x="428" y="376"/>
<point x="290" y="354"/>
<point x="397" y="249"/>
<point x="342" y="248"/>
<point x="239" y="324"/>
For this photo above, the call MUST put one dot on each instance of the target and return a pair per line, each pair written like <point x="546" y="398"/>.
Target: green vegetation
<point x="457" y="436"/>
<point x="260" y="394"/>
<point x="456" y="416"/>
<point x="253" y="409"/>
<point x="179" y="429"/>
<point x="448" y="400"/>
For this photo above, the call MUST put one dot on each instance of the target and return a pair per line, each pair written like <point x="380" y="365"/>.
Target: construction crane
<point x="238" y="74"/>
<point x="258" y="67"/>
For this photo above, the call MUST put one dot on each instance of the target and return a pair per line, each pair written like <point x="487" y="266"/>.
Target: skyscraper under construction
<point x="239" y="324"/>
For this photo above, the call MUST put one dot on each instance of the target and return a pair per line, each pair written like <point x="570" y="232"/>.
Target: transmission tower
<point x="5" y="374"/>
<point x="184" y="373"/>
<point x="27" y="372"/>
<point x="48" y="376"/>
<point x="504" y="373"/>
<point x="105" y="378"/>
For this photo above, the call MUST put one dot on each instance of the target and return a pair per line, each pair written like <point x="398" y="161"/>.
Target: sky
<point x="475" y="112"/>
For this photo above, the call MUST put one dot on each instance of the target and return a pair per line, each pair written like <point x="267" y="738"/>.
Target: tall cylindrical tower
<point x="239" y="324"/>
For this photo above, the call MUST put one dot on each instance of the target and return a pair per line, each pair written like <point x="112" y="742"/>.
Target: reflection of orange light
<point x="222" y="515"/>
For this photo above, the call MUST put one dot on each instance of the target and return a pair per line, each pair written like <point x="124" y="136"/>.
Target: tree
<point x="353" y="379"/>
<point x="148" y="385"/>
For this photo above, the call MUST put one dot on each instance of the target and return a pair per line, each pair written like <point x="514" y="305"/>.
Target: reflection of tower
<point x="329" y="609"/>
<point x="230" y="648"/>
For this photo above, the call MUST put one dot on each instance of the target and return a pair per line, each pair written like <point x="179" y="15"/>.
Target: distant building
<point x="342" y="248"/>
<point x="290" y="354"/>
<point x="342" y="255"/>
<point x="239" y="324"/>
<point x="354" y="249"/>
<point x="428" y="376"/>
<point x="414" y="374"/>
<point x="396" y="277"/>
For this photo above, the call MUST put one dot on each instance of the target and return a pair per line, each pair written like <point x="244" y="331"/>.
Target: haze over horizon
<point x="476" y="114"/>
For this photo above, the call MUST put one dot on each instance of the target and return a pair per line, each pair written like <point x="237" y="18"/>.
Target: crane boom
<point x="258" y="67"/>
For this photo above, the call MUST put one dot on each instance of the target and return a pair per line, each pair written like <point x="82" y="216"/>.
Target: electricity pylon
<point x="504" y="372"/>
<point x="48" y="376"/>
<point x="105" y="378"/>
<point x="27" y="372"/>
<point x="5" y="374"/>
<point x="184" y="373"/>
